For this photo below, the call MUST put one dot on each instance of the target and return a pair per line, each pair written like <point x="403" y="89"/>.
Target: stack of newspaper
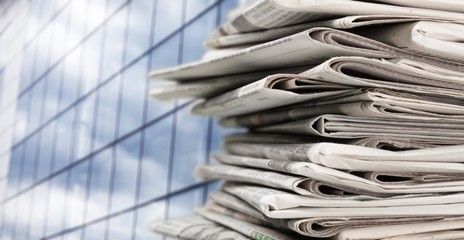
<point x="355" y="118"/>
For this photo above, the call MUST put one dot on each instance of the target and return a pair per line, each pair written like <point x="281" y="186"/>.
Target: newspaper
<point x="250" y="230"/>
<point x="361" y="102"/>
<point x="391" y="143"/>
<point x="401" y="231"/>
<point x="398" y="143"/>
<point x="447" y="159"/>
<point x="267" y="14"/>
<point x="443" y="40"/>
<point x="334" y="183"/>
<point x="330" y="78"/>
<point x="435" y="235"/>
<point x="283" y="205"/>
<point x="309" y="47"/>
<point x="297" y="184"/>
<point x="211" y="87"/>
<point x="342" y="126"/>
<point x="272" y="91"/>
<point x="445" y="5"/>
<point x="312" y="227"/>
<point x="194" y="228"/>
<point x="259" y="137"/>
<point x="347" y="22"/>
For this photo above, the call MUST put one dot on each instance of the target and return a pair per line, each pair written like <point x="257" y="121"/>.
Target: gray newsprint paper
<point x="337" y="76"/>
<point x="361" y="102"/>
<point x="311" y="227"/>
<point x="195" y="228"/>
<point x="332" y="183"/>
<point x="446" y="159"/>
<point x="278" y="204"/>
<point x="267" y="14"/>
<point x="348" y="22"/>
<point x="309" y="47"/>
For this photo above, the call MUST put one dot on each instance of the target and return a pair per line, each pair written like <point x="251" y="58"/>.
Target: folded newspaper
<point x="312" y="227"/>
<point x="335" y="77"/>
<point x="348" y="22"/>
<point x="268" y="14"/>
<point x="360" y="102"/>
<point x="308" y="47"/>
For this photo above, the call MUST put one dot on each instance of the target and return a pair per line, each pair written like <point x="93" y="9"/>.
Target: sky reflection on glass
<point x="88" y="140"/>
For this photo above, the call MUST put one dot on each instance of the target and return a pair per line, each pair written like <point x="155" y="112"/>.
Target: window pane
<point x="125" y="173"/>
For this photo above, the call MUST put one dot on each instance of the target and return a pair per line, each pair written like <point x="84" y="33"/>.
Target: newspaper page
<point x="341" y="126"/>
<point x="297" y="184"/>
<point x="367" y="102"/>
<point x="308" y="47"/>
<point x="257" y="137"/>
<point x="398" y="143"/>
<point x="445" y="159"/>
<point x="230" y="201"/>
<point x="398" y="230"/>
<point x="312" y="227"/>
<point x="250" y="230"/>
<point x="267" y="14"/>
<point x="195" y="228"/>
<point x="435" y="235"/>
<point x="334" y="183"/>
<point x="211" y="87"/>
<point x="366" y="72"/>
<point x="445" y="5"/>
<point x="442" y="40"/>
<point x="329" y="79"/>
<point x="272" y="91"/>
<point x="283" y="205"/>
<point x="390" y="143"/>
<point x="347" y="22"/>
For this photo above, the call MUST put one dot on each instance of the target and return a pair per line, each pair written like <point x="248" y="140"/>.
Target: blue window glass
<point x="21" y="227"/>
<point x="95" y="231"/>
<point x="76" y="23"/>
<point x="64" y="139"/>
<point x="29" y="163"/>
<point x="91" y="62"/>
<point x="60" y="29"/>
<point x="21" y="122"/>
<point x="76" y="193"/>
<point x="84" y="127"/>
<point x="133" y="97"/>
<point x="95" y="14"/>
<point x="115" y="31"/>
<point x="71" y="79"/>
<point x="107" y="113"/>
<point x="156" y="155"/>
<point x="89" y="142"/>
<point x="167" y="12"/>
<point x="126" y="168"/>
<point x="52" y="97"/>
<point x="98" y="198"/>
<point x="145" y="216"/>
<point x="120" y="227"/>
<point x="38" y="212"/>
<point x="35" y="106"/>
<point x="55" y="204"/>
<point x="16" y="163"/>
<point x="187" y="153"/>
<point x="139" y="28"/>
<point x="45" y="151"/>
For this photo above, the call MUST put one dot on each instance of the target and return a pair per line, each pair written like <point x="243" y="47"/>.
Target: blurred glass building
<point x="84" y="152"/>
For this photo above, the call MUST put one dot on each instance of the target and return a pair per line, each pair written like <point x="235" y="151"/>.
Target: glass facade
<point x="91" y="156"/>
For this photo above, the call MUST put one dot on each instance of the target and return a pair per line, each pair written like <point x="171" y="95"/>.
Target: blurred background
<point x="84" y="152"/>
